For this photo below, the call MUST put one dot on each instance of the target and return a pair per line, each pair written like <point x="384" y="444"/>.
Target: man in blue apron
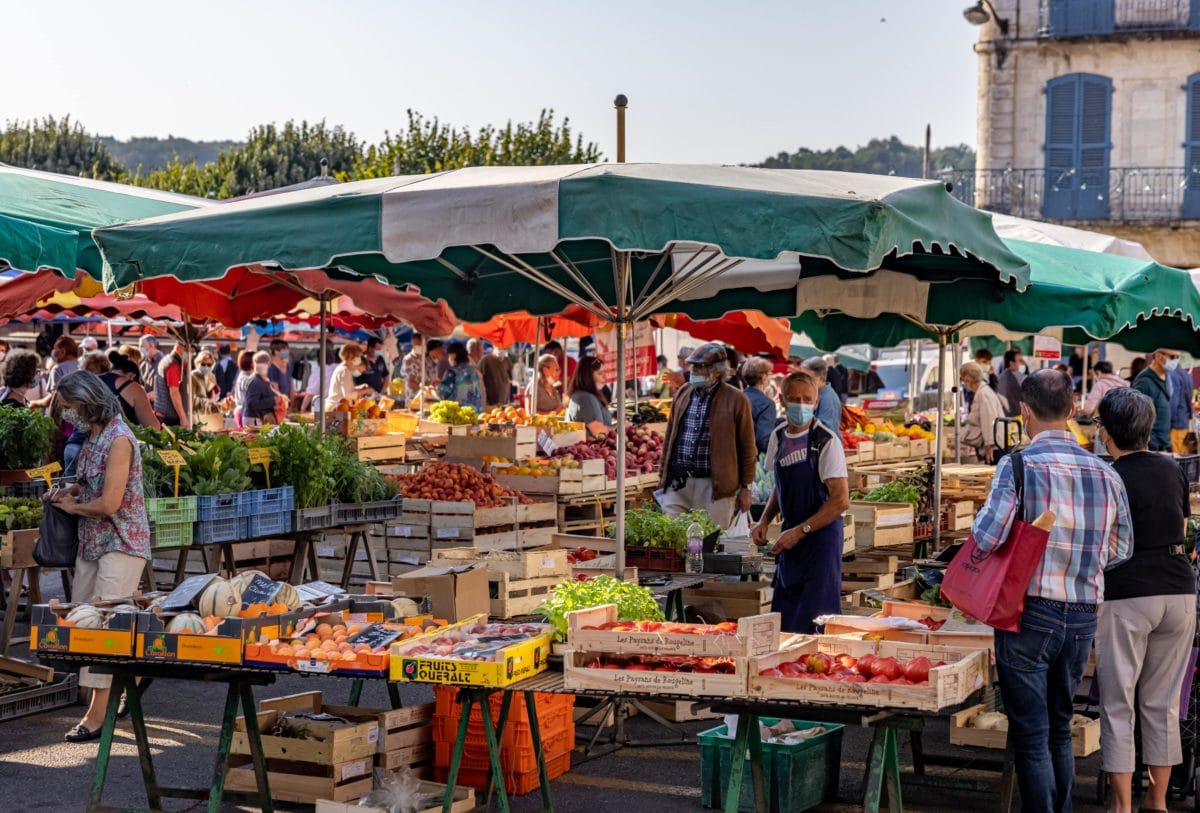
<point x="811" y="494"/>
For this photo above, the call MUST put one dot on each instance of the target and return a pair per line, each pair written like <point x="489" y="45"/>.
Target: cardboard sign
<point x="1047" y="347"/>
<point x="375" y="635"/>
<point x="264" y="456"/>
<point x="175" y="460"/>
<point x="260" y="590"/>
<point x="44" y="472"/>
<point x="640" y="356"/>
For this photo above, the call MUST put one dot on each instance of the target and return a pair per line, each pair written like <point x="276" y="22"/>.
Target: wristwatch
<point x="806" y="529"/>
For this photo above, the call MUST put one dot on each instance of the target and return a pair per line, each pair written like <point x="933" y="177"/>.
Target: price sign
<point x="260" y="590"/>
<point x="376" y="635"/>
<point x="264" y="456"/>
<point x="1047" y="348"/>
<point x="175" y="460"/>
<point x="44" y="472"/>
<point x="546" y="442"/>
<point x="188" y="592"/>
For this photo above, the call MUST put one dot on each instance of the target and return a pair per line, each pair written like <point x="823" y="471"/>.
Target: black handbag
<point x="58" y="538"/>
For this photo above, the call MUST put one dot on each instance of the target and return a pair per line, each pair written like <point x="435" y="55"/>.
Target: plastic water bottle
<point x="695" y="549"/>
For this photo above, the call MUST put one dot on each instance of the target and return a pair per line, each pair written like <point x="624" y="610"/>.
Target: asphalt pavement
<point x="42" y="773"/>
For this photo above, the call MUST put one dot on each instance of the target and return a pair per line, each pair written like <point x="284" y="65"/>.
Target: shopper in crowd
<point x="983" y="357"/>
<point x="1135" y="368"/>
<point x="122" y="380"/>
<point x="1146" y="623"/>
<point x="245" y="373"/>
<point x="341" y="384"/>
<point x="1009" y="384"/>
<point x="757" y="373"/>
<point x="872" y="382"/>
<point x="280" y="371"/>
<point x="986" y="408"/>
<point x="709" y="454"/>
<point x="4" y="348"/>
<point x="587" y="404"/>
<point x="1103" y="382"/>
<point x="258" y="404"/>
<point x="97" y="364"/>
<point x="411" y="364"/>
<point x="1181" y="408"/>
<point x="1154" y="383"/>
<point x="461" y="382"/>
<point x="811" y="494"/>
<point x="171" y="390"/>
<point x="151" y="357"/>
<point x="495" y="369"/>
<point x="475" y="351"/>
<point x="114" y="535"/>
<point x="205" y="389"/>
<point x="829" y="406"/>
<point x="566" y="364"/>
<point x="375" y="370"/>
<point x="64" y="360"/>
<point x="1041" y="665"/>
<point x="681" y="359"/>
<point x="549" y="399"/>
<point x="226" y="370"/>
<point x="838" y="377"/>
<point x="667" y="381"/>
<point x="312" y="391"/>
<point x="20" y="373"/>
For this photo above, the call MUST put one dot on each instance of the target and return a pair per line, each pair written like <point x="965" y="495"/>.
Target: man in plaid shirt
<point x="1040" y="666"/>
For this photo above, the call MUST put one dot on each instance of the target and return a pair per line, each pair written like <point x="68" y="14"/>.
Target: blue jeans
<point x="1040" y="668"/>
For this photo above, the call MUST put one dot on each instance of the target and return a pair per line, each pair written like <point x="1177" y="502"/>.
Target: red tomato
<point x="880" y="679"/>
<point x="865" y="665"/>
<point x="770" y="672"/>
<point x="887" y="667"/>
<point x="917" y="669"/>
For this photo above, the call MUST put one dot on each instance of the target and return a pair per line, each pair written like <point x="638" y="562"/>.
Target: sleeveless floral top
<point x="128" y="530"/>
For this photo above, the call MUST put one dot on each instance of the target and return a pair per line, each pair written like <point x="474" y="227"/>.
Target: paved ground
<point x="42" y="773"/>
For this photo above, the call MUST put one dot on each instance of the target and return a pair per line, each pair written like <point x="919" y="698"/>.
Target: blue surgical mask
<point x="1172" y="364"/>
<point x="204" y="370"/>
<point x="698" y="380"/>
<point x="800" y="414"/>
<point x="283" y="354"/>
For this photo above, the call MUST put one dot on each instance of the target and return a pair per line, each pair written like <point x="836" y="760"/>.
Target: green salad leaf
<point x="634" y="603"/>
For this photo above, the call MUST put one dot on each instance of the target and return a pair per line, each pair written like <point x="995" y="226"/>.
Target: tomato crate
<point x="269" y="524"/>
<point x="267" y="501"/>
<point x="580" y="673"/>
<point x="171" y="510"/>
<point x="796" y="777"/>
<point x="754" y="635"/>
<point x="229" y="529"/>
<point x="171" y="534"/>
<point x="218" y="506"/>
<point x="663" y="559"/>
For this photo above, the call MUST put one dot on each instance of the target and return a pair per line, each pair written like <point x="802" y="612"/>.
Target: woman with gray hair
<point x="986" y="408"/>
<point x="258" y="403"/>
<point x="114" y="535"/>
<point x="756" y="372"/>
<point x="1145" y="625"/>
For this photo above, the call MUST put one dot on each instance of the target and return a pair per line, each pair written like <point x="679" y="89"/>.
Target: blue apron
<point x="808" y="578"/>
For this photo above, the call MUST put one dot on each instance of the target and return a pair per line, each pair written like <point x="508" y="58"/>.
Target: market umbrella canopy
<point x="46" y="219"/>
<point x="1077" y="295"/>
<point x="494" y="240"/>
<point x="748" y="332"/>
<point x="508" y="329"/>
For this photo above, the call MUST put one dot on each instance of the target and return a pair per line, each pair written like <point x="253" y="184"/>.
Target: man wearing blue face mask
<point x="709" y="451"/>
<point x="1155" y="383"/>
<point x="811" y="493"/>
<point x="279" y="373"/>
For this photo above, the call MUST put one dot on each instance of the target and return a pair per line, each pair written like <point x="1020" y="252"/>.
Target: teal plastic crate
<point x="172" y="534"/>
<point x="171" y="510"/>
<point x="796" y="777"/>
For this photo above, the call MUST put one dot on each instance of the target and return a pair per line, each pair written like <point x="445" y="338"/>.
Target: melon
<point x="242" y="580"/>
<point x="289" y="595"/>
<point x="187" y="622"/>
<point x="220" y="598"/>
<point x="85" y="616"/>
<point x="405" y="607"/>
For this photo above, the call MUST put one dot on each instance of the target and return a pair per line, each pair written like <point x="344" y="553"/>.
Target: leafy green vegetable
<point x="19" y="513"/>
<point x="26" y="437"/>
<point x="302" y="461"/>
<point x="634" y="603"/>
<point x="218" y="465"/>
<point x="650" y="528"/>
<point x="900" y="490"/>
<point x="355" y="481"/>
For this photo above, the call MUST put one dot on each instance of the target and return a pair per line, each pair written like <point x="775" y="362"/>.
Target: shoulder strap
<point x="1018" y="471"/>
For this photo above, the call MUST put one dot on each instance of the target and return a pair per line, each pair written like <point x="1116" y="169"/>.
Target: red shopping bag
<point x="991" y="586"/>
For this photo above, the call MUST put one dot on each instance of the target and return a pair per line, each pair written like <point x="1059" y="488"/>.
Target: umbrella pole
<point x="1083" y="382"/>
<point x="939" y="443"/>
<point x="957" y="404"/>
<point x="619" y="507"/>
<point x="537" y="343"/>
<point x="322" y="353"/>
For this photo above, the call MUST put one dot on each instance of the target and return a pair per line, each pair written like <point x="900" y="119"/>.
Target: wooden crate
<point x="869" y="573"/>
<point x="513" y="597"/>
<point x="920" y="447"/>
<point x="464" y="801"/>
<point x="578" y="676"/>
<point x="881" y="524"/>
<point x="16" y="548"/>
<point x="960" y="515"/>
<point x="957" y="631"/>
<point x="566" y="481"/>
<point x="863" y="452"/>
<point x="535" y="563"/>
<point x="903" y="591"/>
<point x="966" y="671"/>
<point x="304" y="784"/>
<point x="719" y="600"/>
<point x="380" y="448"/>
<point x="681" y="711"/>
<point x="518" y="442"/>
<point x="1085" y="739"/>
<point x="848" y="536"/>
<point x="756" y="635"/>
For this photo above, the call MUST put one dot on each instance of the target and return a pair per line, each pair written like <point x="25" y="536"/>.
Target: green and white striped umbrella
<point x="640" y="239"/>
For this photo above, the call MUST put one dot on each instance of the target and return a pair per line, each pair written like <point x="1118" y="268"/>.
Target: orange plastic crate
<point x="518" y="759"/>
<point x="446" y="705"/>
<point x="516" y="783"/>
<point x="516" y="732"/>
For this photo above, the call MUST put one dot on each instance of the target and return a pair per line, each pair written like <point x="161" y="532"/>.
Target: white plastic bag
<point x="739" y="528"/>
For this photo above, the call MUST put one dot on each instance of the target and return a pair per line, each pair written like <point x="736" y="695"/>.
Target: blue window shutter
<point x="1095" y="118"/>
<point x="1060" y="11"/>
<point x="1191" y="147"/>
<point x="1058" y="190"/>
<point x="1082" y="18"/>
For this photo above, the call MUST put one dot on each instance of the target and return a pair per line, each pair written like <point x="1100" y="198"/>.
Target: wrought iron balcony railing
<point x="1060" y="19"/>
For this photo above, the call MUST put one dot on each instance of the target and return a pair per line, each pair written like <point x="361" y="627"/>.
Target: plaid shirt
<point x="693" y="451"/>
<point x="1092" y="530"/>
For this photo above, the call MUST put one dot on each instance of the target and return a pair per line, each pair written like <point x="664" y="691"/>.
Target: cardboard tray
<point x="520" y="661"/>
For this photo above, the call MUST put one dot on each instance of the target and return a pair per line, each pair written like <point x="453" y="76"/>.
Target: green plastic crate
<point x="171" y="510"/>
<point x="171" y="534"/>
<point x="796" y="777"/>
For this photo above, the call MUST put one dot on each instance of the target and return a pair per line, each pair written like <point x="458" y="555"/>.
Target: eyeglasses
<point x="698" y="368"/>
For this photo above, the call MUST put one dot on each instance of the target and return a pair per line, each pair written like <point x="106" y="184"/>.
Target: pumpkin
<point x="220" y="598"/>
<point x="188" y="623"/>
<point x="288" y="596"/>
<point x="242" y="580"/>
<point x="405" y="607"/>
<point x="85" y="616"/>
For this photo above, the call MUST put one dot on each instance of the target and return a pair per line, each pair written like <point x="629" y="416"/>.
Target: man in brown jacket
<point x="709" y="454"/>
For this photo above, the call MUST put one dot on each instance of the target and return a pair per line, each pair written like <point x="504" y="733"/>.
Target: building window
<point x="1078" y="116"/>
<point x="1081" y="18"/>
<point x="1191" y="150"/>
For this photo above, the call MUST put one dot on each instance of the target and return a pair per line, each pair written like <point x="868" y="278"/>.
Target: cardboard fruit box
<point x="49" y="635"/>
<point x="756" y="635"/>
<point x="515" y="662"/>
<point x="966" y="671"/>
<point x="578" y="675"/>
<point x="154" y="643"/>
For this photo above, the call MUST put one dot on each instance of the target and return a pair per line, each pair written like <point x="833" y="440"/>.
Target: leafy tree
<point x="58" y="145"/>
<point x="888" y="156"/>
<point x="148" y="153"/>
<point x="427" y="145"/>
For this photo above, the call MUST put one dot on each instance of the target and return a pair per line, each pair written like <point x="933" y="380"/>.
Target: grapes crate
<point x="228" y="529"/>
<point x="171" y="510"/>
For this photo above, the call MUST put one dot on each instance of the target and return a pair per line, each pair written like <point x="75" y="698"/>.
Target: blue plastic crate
<point x="218" y="506"/>
<point x="230" y="529"/>
<point x="269" y="524"/>
<point x="267" y="501"/>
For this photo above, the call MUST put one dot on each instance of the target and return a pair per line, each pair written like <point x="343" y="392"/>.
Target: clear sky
<point x="707" y="81"/>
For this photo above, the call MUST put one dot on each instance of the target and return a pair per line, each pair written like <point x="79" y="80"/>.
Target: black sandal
<point x="123" y="706"/>
<point x="82" y="733"/>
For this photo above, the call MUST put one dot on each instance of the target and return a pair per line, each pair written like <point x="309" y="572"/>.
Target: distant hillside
<point x="881" y="156"/>
<point x="155" y="153"/>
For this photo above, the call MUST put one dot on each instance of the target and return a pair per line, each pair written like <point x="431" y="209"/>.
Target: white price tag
<point x="546" y="442"/>
<point x="326" y="551"/>
<point x="353" y="769"/>
<point x="403" y="530"/>
<point x="373" y="735"/>
<point x="447" y="533"/>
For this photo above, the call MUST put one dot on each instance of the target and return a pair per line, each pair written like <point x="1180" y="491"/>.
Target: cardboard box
<point x="464" y="801"/>
<point x="456" y="593"/>
<point x="718" y="601"/>
<point x="48" y="636"/>
<point x="518" y="661"/>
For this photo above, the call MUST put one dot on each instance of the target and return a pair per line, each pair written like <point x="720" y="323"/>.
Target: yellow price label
<point x="44" y="471"/>
<point x="259" y="454"/>
<point x="175" y="460"/>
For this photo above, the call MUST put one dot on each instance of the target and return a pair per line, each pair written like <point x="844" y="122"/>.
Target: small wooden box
<point x="1085" y="739"/>
<point x="882" y="524"/>
<point x="464" y="801"/>
<point x="578" y="676"/>
<point x="756" y="635"/>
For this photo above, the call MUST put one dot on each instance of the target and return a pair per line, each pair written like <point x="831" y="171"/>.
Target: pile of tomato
<point x="848" y="669"/>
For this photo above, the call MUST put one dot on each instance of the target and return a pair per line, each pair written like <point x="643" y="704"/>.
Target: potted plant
<point x="26" y="438"/>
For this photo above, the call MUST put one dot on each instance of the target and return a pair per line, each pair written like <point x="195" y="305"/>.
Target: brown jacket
<point x="731" y="434"/>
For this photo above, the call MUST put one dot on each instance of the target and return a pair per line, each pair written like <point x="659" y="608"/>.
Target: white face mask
<point x="262" y="368"/>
